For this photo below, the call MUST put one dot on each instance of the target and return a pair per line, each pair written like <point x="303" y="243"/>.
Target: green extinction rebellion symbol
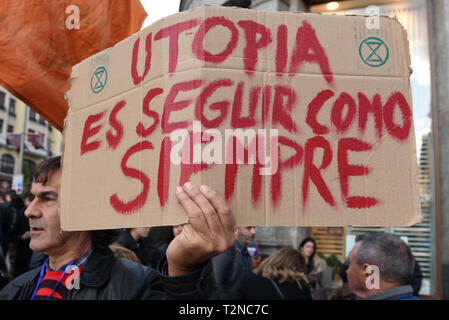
<point x="374" y="52"/>
<point x="99" y="79"/>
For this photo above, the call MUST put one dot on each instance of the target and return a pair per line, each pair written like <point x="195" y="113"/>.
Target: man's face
<point x="356" y="274"/>
<point x="143" y="232"/>
<point x="246" y="234"/>
<point x="42" y="214"/>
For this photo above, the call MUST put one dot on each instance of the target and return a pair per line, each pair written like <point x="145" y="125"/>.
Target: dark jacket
<point x="148" y="256"/>
<point x="4" y="278"/>
<point x="229" y="269"/>
<point x="8" y="218"/>
<point x="106" y="277"/>
<point x="23" y="251"/>
<point x="397" y="293"/>
<point x="416" y="278"/>
<point x="257" y="287"/>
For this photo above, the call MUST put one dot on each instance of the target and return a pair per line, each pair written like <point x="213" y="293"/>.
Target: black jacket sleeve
<point x="198" y="285"/>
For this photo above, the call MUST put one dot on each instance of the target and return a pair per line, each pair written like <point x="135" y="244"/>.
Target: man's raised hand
<point x="210" y="230"/>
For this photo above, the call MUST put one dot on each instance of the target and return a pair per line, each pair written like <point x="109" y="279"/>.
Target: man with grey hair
<point x="381" y="268"/>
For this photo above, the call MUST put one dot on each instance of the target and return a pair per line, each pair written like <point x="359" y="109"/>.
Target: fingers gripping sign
<point x="210" y="230"/>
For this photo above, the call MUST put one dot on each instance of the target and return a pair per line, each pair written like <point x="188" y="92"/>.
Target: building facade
<point x="41" y="140"/>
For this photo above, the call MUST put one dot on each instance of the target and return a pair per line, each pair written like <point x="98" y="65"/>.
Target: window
<point x="12" y="107"/>
<point x="7" y="164"/>
<point x="10" y="128"/>
<point x="1" y="125"/>
<point x="41" y="120"/>
<point x="32" y="116"/>
<point x="2" y="100"/>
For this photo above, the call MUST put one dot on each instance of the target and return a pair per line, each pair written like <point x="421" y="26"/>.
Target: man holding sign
<point x="80" y="265"/>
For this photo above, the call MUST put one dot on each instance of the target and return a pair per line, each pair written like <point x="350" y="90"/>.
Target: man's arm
<point x="186" y="272"/>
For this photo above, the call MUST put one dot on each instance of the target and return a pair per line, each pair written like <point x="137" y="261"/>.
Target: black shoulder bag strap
<point x="277" y="289"/>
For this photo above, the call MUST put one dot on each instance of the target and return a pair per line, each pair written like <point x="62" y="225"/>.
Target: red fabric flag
<point x="36" y="139"/>
<point x="14" y="139"/>
<point x="40" y="42"/>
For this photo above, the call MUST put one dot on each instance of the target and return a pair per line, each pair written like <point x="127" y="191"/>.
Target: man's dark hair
<point x="390" y="254"/>
<point x="45" y="168"/>
<point x="101" y="239"/>
<point x="359" y="237"/>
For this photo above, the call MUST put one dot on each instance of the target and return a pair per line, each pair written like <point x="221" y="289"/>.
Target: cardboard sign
<point x="297" y="119"/>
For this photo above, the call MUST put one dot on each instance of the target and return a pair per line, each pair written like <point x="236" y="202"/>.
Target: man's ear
<point x="366" y="270"/>
<point x="371" y="276"/>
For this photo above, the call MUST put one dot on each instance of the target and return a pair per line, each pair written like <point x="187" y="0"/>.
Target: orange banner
<point x="41" y="40"/>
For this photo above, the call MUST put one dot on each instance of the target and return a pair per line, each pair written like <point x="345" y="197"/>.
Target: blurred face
<point x="356" y="274"/>
<point x="308" y="249"/>
<point x="42" y="214"/>
<point x="177" y="230"/>
<point x="142" y="232"/>
<point x="246" y="234"/>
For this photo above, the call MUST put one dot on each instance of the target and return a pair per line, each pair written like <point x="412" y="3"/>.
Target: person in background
<point x="281" y="276"/>
<point x="231" y="265"/>
<point x="132" y="239"/>
<point x="121" y="252"/>
<point x="86" y="256"/>
<point x="314" y="268"/>
<point x="159" y="235"/>
<point x="21" y="239"/>
<point x="343" y="292"/>
<point x="255" y="254"/>
<point x="176" y="230"/>
<point x="8" y="220"/>
<point x="417" y="274"/>
<point x="3" y="197"/>
<point x="391" y="257"/>
<point x="4" y="277"/>
<point x="16" y="234"/>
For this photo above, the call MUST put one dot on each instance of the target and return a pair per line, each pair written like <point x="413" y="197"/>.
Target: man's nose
<point x="32" y="210"/>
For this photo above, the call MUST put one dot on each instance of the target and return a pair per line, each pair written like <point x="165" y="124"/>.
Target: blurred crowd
<point x="228" y="264"/>
<point x="241" y="272"/>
